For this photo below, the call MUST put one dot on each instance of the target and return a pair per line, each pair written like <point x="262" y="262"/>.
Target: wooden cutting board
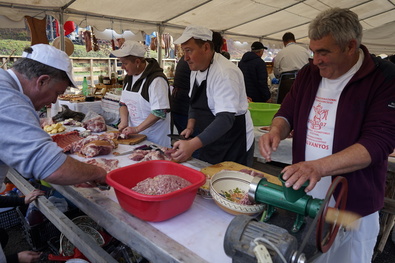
<point x="209" y="171"/>
<point x="133" y="139"/>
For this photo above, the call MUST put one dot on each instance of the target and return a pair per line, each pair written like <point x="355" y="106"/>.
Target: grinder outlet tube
<point x="262" y="191"/>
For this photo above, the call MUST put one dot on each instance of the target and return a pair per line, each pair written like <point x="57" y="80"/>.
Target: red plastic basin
<point x="154" y="208"/>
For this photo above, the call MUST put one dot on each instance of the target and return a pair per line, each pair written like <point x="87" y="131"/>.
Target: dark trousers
<point x="3" y="237"/>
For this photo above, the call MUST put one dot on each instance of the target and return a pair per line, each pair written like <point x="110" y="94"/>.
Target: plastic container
<point x="154" y="208"/>
<point x="38" y="235"/>
<point x="85" y="87"/>
<point x="290" y="194"/>
<point x="44" y="183"/>
<point x="101" y="77"/>
<point x="262" y="113"/>
<point x="9" y="218"/>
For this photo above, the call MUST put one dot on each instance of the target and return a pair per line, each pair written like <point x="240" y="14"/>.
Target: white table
<point x="109" y="112"/>
<point x="196" y="235"/>
<point x="83" y="107"/>
<point x="283" y="153"/>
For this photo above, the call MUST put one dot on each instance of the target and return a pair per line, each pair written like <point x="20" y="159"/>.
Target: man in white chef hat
<point x="218" y="106"/>
<point x="36" y="80"/>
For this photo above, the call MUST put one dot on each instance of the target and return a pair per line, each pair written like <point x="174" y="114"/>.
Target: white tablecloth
<point x="201" y="229"/>
<point x="283" y="153"/>
<point x="83" y="107"/>
<point x="111" y="116"/>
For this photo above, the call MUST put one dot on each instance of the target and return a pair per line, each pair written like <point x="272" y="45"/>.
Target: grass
<point x="16" y="47"/>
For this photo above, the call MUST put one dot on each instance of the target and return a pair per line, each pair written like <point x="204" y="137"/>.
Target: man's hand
<point x="130" y="130"/>
<point x="29" y="256"/>
<point x="187" y="133"/>
<point x="297" y="174"/>
<point x="102" y="185"/>
<point x="268" y="144"/>
<point x="185" y="148"/>
<point x="122" y="126"/>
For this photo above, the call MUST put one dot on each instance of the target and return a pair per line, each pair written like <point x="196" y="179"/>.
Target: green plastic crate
<point x="262" y="113"/>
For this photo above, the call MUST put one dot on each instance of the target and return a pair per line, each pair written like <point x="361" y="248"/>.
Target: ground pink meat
<point x="161" y="184"/>
<point x="245" y="200"/>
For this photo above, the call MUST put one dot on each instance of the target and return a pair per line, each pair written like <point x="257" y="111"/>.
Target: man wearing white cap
<point x="144" y="103"/>
<point x="36" y="80"/>
<point x="218" y="106"/>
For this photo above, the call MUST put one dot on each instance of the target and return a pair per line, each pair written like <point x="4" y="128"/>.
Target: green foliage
<point x="16" y="47"/>
<point x="104" y="52"/>
<point x="14" y="33"/>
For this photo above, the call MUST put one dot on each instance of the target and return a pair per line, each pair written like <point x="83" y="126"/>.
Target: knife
<point x="142" y="147"/>
<point x="124" y="153"/>
<point x="179" y="137"/>
<point x="103" y="186"/>
<point x="156" y="148"/>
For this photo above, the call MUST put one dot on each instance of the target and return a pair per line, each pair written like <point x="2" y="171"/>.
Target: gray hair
<point x="342" y="24"/>
<point x="34" y="69"/>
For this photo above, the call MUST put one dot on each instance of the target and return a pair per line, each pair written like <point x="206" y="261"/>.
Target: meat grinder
<point x="273" y="195"/>
<point x="249" y="240"/>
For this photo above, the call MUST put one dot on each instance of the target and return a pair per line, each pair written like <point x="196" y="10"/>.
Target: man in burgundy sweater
<point x="342" y="111"/>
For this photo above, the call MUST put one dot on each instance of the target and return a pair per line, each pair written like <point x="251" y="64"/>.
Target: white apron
<point x="139" y="109"/>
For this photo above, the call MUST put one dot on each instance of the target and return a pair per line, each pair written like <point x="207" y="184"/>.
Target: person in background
<point x="13" y="201"/>
<point x="218" y="41"/>
<point x="35" y="80"/>
<point x="225" y="54"/>
<point x="255" y="73"/>
<point x="145" y="100"/>
<point x="341" y="108"/>
<point x="218" y="104"/>
<point x="179" y="96"/>
<point x="291" y="58"/>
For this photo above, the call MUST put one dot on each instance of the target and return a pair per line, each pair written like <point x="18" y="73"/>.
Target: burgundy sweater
<point x="365" y="115"/>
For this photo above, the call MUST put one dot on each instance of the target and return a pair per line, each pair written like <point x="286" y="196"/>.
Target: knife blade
<point x="156" y="148"/>
<point x="124" y="153"/>
<point x="179" y="137"/>
<point x="142" y="147"/>
<point x="103" y="186"/>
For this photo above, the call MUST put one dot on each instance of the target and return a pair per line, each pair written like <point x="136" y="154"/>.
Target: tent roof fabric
<point x="241" y="20"/>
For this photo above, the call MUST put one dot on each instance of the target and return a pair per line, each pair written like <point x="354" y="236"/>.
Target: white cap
<point x="196" y="32"/>
<point x="130" y="48"/>
<point x="51" y="56"/>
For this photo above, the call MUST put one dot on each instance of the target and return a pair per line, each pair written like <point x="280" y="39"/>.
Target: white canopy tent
<point x="241" y="20"/>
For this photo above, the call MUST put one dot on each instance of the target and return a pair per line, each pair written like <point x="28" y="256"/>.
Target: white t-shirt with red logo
<point x="321" y="122"/>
